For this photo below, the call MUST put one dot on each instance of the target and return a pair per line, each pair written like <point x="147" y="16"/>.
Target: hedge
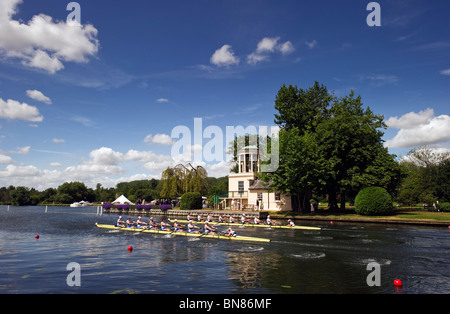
<point x="191" y="200"/>
<point x="373" y="201"/>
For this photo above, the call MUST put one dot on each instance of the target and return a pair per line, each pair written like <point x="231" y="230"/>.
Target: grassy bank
<point x="351" y="215"/>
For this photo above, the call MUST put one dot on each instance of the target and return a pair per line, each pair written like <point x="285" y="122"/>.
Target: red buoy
<point x="36" y="236"/>
<point x="398" y="283"/>
<point x="130" y="248"/>
<point x="331" y="222"/>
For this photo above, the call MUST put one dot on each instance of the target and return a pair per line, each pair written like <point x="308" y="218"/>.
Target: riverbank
<point x="437" y="219"/>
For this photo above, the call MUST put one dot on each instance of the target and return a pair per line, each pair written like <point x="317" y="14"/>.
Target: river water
<point x="332" y="260"/>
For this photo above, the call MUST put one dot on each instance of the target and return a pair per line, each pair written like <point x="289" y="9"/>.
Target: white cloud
<point x="224" y="57"/>
<point x="162" y="100"/>
<point x="55" y="164"/>
<point x="267" y="46"/>
<point x="43" y="43"/>
<point x="445" y="72"/>
<point x="105" y="156"/>
<point x="39" y="96"/>
<point x="58" y="140"/>
<point x="311" y="44"/>
<point x="162" y="139"/>
<point x="12" y="109"/>
<point x="21" y="150"/>
<point x="5" y="159"/>
<point x="419" y="129"/>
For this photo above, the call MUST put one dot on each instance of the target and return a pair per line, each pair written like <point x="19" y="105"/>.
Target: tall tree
<point x="302" y="167"/>
<point x="347" y="139"/>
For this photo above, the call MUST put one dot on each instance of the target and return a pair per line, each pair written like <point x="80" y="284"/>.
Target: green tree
<point x="348" y="139"/>
<point x="351" y="139"/>
<point x="20" y="196"/>
<point x="304" y="109"/>
<point x="70" y="192"/>
<point x="302" y="167"/>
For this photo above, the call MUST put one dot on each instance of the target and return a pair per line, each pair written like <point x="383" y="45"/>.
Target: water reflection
<point x="332" y="260"/>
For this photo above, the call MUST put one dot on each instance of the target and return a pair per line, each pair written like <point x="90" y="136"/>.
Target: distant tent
<point x="122" y="200"/>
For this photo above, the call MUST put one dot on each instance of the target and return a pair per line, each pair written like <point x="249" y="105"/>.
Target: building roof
<point x="259" y="185"/>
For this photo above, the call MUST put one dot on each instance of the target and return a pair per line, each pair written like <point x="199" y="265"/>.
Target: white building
<point x="247" y="192"/>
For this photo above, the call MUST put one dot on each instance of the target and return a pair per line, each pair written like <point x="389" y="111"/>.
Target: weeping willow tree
<point x="181" y="179"/>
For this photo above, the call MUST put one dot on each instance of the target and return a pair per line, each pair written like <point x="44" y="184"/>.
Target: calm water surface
<point x="332" y="260"/>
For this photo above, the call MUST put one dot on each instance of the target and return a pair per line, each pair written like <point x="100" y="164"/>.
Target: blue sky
<point x="97" y="102"/>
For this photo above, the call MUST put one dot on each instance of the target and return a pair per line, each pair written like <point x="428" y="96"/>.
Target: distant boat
<point x="80" y="204"/>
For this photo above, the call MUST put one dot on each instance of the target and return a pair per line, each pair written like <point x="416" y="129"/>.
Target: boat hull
<point x="186" y="234"/>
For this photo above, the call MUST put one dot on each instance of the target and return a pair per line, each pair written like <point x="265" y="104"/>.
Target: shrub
<point x="107" y="205"/>
<point x="445" y="207"/>
<point x="373" y="201"/>
<point x="165" y="206"/>
<point x="191" y="200"/>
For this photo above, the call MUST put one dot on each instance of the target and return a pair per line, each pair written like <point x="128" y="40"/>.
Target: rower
<point x="209" y="229"/>
<point x="140" y="223"/>
<point x="231" y="219"/>
<point x="270" y="221"/>
<point x="209" y="218"/>
<point x="152" y="224"/>
<point x="291" y="223"/>
<point x="164" y="225"/>
<point x="189" y="217"/>
<point x="230" y="233"/>
<point x="129" y="223"/>
<point x="244" y="219"/>
<point x="120" y="222"/>
<point x="221" y="219"/>
<point x="177" y="226"/>
<point x="191" y="227"/>
<point x="256" y="220"/>
<point x="199" y="217"/>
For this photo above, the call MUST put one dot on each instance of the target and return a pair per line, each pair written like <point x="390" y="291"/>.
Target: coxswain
<point x="291" y="223"/>
<point x="192" y="227"/>
<point x="164" y="225"/>
<point x="209" y="229"/>
<point x="120" y="222"/>
<point x="230" y="233"/>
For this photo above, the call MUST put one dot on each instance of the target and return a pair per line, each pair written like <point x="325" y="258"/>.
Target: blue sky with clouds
<point x="97" y="102"/>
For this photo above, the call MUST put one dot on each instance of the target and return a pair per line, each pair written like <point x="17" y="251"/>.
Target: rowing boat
<point x="186" y="234"/>
<point x="253" y="225"/>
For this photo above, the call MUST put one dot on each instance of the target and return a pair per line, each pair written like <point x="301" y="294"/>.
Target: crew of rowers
<point x="177" y="227"/>
<point x="208" y="228"/>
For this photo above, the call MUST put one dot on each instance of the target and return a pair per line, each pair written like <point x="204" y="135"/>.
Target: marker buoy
<point x="331" y="222"/>
<point x="398" y="283"/>
<point x="130" y="248"/>
<point x="36" y="236"/>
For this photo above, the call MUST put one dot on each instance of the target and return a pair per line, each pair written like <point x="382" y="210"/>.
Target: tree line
<point x="70" y="192"/>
